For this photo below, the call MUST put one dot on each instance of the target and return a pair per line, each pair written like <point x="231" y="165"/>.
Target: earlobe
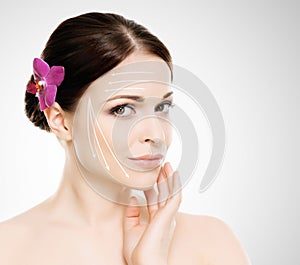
<point x="58" y="122"/>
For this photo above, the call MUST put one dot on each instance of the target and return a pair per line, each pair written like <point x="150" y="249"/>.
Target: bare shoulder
<point x="15" y="231"/>
<point x="212" y="237"/>
<point x="28" y="217"/>
<point x="13" y="226"/>
<point x="12" y="233"/>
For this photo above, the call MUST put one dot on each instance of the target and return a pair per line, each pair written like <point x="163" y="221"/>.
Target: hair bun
<point x="33" y="112"/>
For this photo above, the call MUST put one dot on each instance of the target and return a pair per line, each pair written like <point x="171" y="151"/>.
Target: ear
<point x="59" y="122"/>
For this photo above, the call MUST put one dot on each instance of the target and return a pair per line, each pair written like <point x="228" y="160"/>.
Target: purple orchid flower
<point x="46" y="82"/>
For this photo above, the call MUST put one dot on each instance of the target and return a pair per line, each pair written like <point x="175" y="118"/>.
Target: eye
<point x="122" y="110"/>
<point x="164" y="106"/>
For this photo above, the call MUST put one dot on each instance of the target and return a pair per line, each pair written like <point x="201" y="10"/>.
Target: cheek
<point x="168" y="134"/>
<point x="124" y="140"/>
<point x="111" y="141"/>
<point x="103" y="141"/>
<point x="106" y="143"/>
<point x="104" y="130"/>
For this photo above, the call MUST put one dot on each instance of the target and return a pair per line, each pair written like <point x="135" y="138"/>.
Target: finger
<point x="151" y="197"/>
<point x="163" y="190"/>
<point x="174" y="201"/>
<point x="176" y="197"/>
<point x="177" y="185"/>
<point x="169" y="176"/>
<point x="132" y="214"/>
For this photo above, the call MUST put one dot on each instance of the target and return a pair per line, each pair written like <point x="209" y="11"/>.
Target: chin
<point x="140" y="180"/>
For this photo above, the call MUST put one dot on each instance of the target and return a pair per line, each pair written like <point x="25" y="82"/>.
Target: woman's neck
<point x="77" y="202"/>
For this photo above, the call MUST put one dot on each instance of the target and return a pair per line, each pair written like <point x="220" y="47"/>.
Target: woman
<point x="95" y="220"/>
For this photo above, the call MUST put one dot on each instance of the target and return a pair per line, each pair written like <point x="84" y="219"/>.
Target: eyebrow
<point x="137" y="98"/>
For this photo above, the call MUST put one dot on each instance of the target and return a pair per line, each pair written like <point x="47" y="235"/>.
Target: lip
<point x="148" y="157"/>
<point x="147" y="161"/>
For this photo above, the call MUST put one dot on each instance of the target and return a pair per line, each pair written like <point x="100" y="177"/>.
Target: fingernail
<point x="168" y="169"/>
<point x="133" y="200"/>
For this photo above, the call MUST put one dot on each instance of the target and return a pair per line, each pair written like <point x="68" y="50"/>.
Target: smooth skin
<point x="77" y="226"/>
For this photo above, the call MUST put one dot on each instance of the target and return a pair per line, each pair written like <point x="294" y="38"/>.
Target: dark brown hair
<point x="88" y="46"/>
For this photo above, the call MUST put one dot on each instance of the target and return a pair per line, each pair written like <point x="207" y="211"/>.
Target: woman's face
<point x="132" y="131"/>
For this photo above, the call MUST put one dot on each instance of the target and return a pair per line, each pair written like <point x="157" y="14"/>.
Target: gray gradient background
<point x="246" y="52"/>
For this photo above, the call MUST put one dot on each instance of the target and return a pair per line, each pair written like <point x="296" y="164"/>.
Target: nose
<point x="151" y="130"/>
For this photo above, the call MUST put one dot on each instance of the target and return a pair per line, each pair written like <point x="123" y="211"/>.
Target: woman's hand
<point x="149" y="243"/>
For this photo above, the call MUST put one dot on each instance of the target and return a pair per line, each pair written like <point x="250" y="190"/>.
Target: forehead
<point x="143" y="90"/>
<point x="145" y="78"/>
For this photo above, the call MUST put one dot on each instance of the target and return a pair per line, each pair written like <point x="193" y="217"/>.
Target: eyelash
<point x="167" y="102"/>
<point x="113" y="110"/>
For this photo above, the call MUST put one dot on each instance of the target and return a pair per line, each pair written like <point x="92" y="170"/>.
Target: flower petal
<point x="50" y="93"/>
<point x="40" y="68"/>
<point x="56" y="75"/>
<point x="42" y="101"/>
<point x="31" y="88"/>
